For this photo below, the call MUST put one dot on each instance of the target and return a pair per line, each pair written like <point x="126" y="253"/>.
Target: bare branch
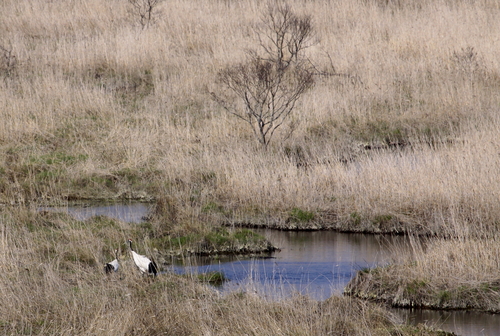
<point x="145" y="11"/>
<point x="8" y="61"/>
<point x="270" y="85"/>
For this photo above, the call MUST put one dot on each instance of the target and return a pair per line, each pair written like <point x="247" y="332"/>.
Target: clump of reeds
<point x="441" y="274"/>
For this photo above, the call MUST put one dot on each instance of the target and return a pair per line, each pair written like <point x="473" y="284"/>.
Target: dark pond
<point x="318" y="264"/>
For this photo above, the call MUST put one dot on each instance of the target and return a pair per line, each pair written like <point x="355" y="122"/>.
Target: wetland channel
<point x="314" y="263"/>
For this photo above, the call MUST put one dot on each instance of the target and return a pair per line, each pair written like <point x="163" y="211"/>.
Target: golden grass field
<point x="404" y="138"/>
<point x="93" y="106"/>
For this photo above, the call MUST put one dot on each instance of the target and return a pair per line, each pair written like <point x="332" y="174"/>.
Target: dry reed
<point x="128" y="110"/>
<point x="451" y="274"/>
<point x="403" y="137"/>
<point x="53" y="283"/>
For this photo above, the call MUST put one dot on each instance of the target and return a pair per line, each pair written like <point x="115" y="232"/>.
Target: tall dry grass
<point x="450" y="274"/>
<point x="403" y="138"/>
<point x="53" y="283"/>
<point x="97" y="107"/>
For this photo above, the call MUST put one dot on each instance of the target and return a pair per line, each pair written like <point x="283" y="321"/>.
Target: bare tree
<point x="8" y="62"/>
<point x="269" y="85"/>
<point x="144" y="11"/>
<point x="283" y="35"/>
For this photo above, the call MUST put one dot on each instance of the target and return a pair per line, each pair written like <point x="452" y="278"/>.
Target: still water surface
<point x="316" y="263"/>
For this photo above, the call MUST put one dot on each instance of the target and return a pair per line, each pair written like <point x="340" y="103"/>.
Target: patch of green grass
<point x="58" y="158"/>
<point x="299" y="215"/>
<point x="212" y="207"/>
<point x="204" y="178"/>
<point x="381" y="219"/>
<point x="48" y="175"/>
<point x="214" y="278"/>
<point x="489" y="287"/>
<point x="146" y="226"/>
<point x="444" y="296"/>
<point x="355" y="218"/>
<point x="95" y="182"/>
<point x="218" y="240"/>
<point x="99" y="222"/>
<point x="219" y="237"/>
<point x="245" y="236"/>
<point x="108" y="182"/>
<point x="80" y="256"/>
<point x="415" y="286"/>
<point x="181" y="242"/>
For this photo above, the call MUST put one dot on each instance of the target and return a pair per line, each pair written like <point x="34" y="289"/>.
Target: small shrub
<point x="268" y="85"/>
<point x="466" y="61"/>
<point x="144" y="12"/>
<point x="8" y="62"/>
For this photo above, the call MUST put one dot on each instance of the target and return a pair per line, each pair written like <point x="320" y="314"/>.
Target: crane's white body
<point x="114" y="265"/>
<point x="143" y="263"/>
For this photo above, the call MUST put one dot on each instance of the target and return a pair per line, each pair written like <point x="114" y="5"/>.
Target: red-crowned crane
<point x="144" y="264"/>
<point x="112" y="266"/>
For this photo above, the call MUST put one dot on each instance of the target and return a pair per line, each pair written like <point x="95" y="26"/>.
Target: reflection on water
<point x="321" y="263"/>
<point x="318" y="264"/>
<point x="459" y="322"/>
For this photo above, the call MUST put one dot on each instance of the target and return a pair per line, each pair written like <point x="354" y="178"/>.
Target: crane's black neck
<point x="130" y="245"/>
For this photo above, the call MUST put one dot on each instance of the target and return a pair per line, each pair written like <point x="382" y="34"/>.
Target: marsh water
<point x="315" y="263"/>
<point x="318" y="263"/>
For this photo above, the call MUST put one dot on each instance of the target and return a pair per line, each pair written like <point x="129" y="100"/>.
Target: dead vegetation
<point x="405" y="140"/>
<point x="53" y="283"/>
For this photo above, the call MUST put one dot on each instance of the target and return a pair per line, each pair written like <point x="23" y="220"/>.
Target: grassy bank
<point x="451" y="274"/>
<point x="53" y="283"/>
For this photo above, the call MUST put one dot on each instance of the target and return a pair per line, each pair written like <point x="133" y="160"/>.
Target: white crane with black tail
<point x="144" y="264"/>
<point x="112" y="266"/>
